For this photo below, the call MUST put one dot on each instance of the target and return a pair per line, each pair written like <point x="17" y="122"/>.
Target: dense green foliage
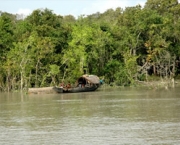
<point x="121" y="46"/>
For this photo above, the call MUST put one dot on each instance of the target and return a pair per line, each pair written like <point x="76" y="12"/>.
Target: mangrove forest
<point x="121" y="46"/>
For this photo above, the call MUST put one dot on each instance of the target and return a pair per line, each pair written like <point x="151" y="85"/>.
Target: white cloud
<point x="114" y="4"/>
<point x="103" y="5"/>
<point x="25" y="12"/>
<point x="142" y="3"/>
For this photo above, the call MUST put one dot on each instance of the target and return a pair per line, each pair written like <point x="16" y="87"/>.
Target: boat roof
<point x="91" y="78"/>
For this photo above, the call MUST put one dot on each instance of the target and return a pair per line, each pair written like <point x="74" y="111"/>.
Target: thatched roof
<point x="91" y="78"/>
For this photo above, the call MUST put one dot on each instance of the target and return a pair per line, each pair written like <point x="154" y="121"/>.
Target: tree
<point x="162" y="7"/>
<point x="6" y="34"/>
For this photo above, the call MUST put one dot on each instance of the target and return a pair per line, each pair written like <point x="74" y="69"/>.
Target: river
<point x="124" y="116"/>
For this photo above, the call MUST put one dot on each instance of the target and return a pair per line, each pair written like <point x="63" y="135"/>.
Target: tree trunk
<point x="36" y="81"/>
<point x="21" y="81"/>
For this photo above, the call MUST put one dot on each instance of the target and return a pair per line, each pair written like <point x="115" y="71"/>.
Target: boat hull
<point x="75" y="90"/>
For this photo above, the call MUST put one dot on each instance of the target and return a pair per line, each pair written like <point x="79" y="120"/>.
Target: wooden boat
<point x="85" y="83"/>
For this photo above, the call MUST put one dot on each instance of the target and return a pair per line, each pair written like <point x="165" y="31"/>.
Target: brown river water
<point x="124" y="116"/>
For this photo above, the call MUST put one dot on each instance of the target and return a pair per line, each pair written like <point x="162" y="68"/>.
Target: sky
<point x="65" y="7"/>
